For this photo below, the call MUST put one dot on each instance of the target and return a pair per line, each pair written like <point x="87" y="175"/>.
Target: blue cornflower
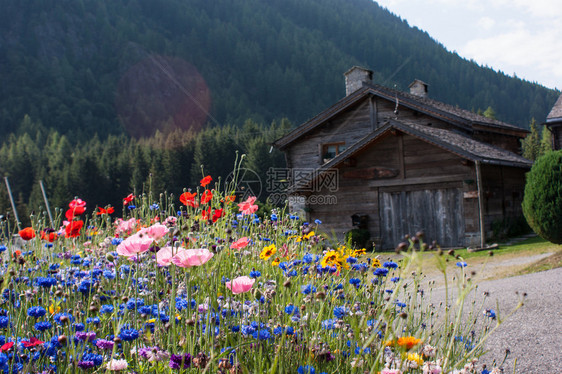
<point x="79" y="326"/>
<point x="307" y="258"/>
<point x="129" y="334"/>
<point x="274" y="217"/>
<point x="154" y="206"/>
<point x="390" y="265"/>
<point x="394" y="279"/>
<point x="96" y="359"/>
<point x="131" y="207"/>
<point x="340" y="312"/>
<point x="328" y="324"/>
<point x="86" y="286"/>
<point x="262" y="334"/>
<point x="255" y="274"/>
<point x="308" y="289"/>
<point x="380" y="272"/>
<point x="291" y="309"/>
<point x="36" y="311"/>
<point x="292" y="273"/>
<point x="306" y="369"/>
<point x="317" y="221"/>
<point x="42" y="326"/>
<point x="106" y="308"/>
<point x="45" y="281"/>
<point x="355" y="281"/>
<point x="180" y="304"/>
<point x="4" y="322"/>
<point x="351" y="260"/>
<point x="116" y="241"/>
<point x="3" y="248"/>
<point x="400" y="305"/>
<point x="462" y="264"/>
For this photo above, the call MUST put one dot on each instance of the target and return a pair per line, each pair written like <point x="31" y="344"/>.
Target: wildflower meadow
<point x="201" y="283"/>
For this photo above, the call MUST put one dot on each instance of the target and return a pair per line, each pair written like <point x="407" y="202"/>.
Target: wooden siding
<point x="437" y="212"/>
<point x="509" y="142"/>
<point x="429" y="189"/>
<point x="349" y="128"/>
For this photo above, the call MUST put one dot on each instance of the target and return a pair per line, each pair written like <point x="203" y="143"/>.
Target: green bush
<point x="357" y="238"/>
<point x="542" y="203"/>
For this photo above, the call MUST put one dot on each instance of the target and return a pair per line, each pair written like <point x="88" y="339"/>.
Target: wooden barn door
<point x="438" y="212"/>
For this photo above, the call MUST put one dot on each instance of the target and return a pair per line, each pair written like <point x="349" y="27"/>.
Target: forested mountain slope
<point x="107" y="67"/>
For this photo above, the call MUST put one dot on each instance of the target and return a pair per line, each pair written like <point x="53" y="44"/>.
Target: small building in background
<point x="554" y="124"/>
<point x="400" y="162"/>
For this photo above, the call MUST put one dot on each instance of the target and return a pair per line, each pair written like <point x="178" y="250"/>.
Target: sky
<point x="517" y="37"/>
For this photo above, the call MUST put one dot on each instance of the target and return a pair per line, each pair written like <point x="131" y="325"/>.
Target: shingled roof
<point x="451" y="141"/>
<point x="461" y="118"/>
<point x="556" y="111"/>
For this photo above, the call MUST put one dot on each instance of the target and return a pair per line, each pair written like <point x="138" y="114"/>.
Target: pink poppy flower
<point x="240" y="243"/>
<point x="125" y="226"/>
<point x="248" y="207"/>
<point x="187" y="258"/>
<point x="240" y="284"/>
<point x="156" y="231"/>
<point x="134" y="244"/>
<point x="164" y="256"/>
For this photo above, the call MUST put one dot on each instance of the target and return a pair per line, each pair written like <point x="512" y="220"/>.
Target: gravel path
<point x="534" y="333"/>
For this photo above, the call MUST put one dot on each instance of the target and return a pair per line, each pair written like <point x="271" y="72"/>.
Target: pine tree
<point x="531" y="145"/>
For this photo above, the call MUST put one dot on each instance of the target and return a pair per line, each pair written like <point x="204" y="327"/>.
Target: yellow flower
<point x="268" y="252"/>
<point x="414" y="357"/>
<point x="359" y="252"/>
<point x="376" y="263"/>
<point x="276" y="262"/>
<point x="335" y="258"/>
<point x="152" y="320"/>
<point x="54" y="308"/>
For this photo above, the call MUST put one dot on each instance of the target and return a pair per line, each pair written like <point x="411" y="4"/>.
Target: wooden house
<point x="554" y="124"/>
<point x="395" y="163"/>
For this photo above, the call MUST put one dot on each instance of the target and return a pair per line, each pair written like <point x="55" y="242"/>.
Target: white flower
<point x="117" y="365"/>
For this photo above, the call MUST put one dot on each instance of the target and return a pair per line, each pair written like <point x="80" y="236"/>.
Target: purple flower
<point x="176" y="361"/>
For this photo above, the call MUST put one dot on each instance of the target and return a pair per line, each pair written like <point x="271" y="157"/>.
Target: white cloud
<point x="486" y="23"/>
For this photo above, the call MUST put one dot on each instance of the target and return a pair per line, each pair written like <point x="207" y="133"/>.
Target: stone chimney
<point x="355" y="77"/>
<point x="418" y="88"/>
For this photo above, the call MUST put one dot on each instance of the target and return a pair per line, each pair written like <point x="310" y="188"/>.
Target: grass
<point x="504" y="261"/>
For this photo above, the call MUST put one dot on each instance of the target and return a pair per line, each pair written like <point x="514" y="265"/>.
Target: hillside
<point x="111" y="67"/>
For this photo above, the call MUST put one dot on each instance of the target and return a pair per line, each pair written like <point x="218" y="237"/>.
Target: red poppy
<point x="33" y="341"/>
<point x="128" y="199"/>
<point x="206" y="213"/>
<point x="77" y="203"/>
<point x="206" y="197"/>
<point x="50" y="236"/>
<point x="188" y="198"/>
<point x="217" y="214"/>
<point x="205" y="181"/>
<point x="7" y="346"/>
<point x="73" y="229"/>
<point x="74" y="212"/>
<point x="109" y="210"/>
<point x="27" y="234"/>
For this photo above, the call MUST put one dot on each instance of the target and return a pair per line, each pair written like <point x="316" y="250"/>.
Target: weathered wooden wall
<point x="427" y="193"/>
<point x="348" y="127"/>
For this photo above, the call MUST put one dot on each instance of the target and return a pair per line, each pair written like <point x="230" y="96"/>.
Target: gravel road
<point x="534" y="333"/>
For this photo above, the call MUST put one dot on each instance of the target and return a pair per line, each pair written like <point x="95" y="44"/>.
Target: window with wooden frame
<point x="331" y="150"/>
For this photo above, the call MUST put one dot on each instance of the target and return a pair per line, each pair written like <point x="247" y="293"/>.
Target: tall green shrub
<point x="542" y="203"/>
